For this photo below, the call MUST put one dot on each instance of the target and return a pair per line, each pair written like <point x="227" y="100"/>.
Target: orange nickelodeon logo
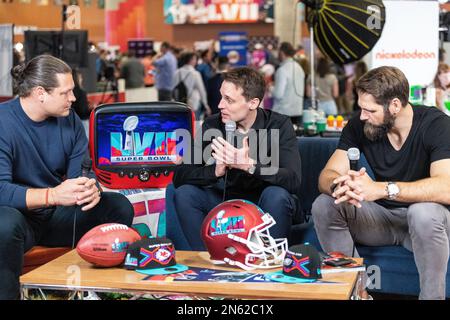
<point x="405" y="55"/>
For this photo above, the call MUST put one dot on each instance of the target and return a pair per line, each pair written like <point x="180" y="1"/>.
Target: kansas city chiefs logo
<point x="162" y="254"/>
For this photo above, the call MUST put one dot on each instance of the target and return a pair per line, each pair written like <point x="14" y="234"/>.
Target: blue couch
<point x="398" y="270"/>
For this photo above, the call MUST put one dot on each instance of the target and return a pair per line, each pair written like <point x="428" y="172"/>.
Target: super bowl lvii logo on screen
<point x="150" y="147"/>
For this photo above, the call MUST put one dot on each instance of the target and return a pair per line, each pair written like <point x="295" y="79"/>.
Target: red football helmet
<point x="237" y="232"/>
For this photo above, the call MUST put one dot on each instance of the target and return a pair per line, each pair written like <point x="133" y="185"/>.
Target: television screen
<point x="144" y="138"/>
<point x="74" y="45"/>
<point x="140" y="47"/>
<point x="139" y="145"/>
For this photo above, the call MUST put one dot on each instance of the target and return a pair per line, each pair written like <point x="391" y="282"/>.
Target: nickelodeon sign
<point x="416" y="54"/>
<point x="410" y="41"/>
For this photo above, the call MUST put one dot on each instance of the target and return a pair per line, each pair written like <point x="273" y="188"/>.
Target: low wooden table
<point x="70" y="272"/>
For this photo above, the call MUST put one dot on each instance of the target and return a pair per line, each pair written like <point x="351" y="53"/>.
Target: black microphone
<point x="353" y="156"/>
<point x="230" y="128"/>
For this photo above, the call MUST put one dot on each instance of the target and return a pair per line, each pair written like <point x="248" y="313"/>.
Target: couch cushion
<point x="40" y="255"/>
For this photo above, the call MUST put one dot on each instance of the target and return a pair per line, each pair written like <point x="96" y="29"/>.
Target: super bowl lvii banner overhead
<point x="218" y="11"/>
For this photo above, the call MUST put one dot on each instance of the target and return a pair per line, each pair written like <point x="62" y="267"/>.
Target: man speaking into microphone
<point x="408" y="149"/>
<point x="237" y="164"/>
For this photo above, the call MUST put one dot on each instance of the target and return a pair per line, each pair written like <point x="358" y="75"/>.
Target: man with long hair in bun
<point x="44" y="200"/>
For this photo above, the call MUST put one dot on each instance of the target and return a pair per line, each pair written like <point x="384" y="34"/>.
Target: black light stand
<point x="110" y="81"/>
<point x="312" y="5"/>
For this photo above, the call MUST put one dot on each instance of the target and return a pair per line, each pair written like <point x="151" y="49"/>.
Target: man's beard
<point x="374" y="133"/>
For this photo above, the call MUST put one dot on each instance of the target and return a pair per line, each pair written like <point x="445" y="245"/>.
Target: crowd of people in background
<point x="278" y="79"/>
<point x="287" y="71"/>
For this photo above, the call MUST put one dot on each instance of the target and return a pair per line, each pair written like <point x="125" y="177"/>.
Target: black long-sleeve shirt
<point x="239" y="182"/>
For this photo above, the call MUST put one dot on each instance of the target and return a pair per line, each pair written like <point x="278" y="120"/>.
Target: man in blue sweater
<point x="43" y="197"/>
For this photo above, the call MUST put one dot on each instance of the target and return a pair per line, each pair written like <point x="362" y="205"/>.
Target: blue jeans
<point x="192" y="204"/>
<point x="19" y="232"/>
<point x="329" y="107"/>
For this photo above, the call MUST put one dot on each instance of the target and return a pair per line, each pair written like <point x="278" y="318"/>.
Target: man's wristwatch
<point x="392" y="190"/>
